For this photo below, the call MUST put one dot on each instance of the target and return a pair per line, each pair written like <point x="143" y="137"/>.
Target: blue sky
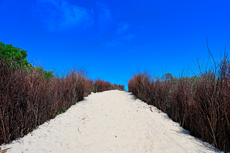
<point x="113" y="39"/>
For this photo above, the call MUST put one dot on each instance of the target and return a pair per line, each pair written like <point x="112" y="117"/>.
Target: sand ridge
<point x="110" y="122"/>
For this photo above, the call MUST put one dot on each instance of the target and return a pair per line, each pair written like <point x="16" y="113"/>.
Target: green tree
<point x="46" y="74"/>
<point x="17" y="57"/>
<point x="14" y="55"/>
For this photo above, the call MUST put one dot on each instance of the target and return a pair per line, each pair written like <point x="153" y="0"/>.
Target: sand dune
<point x="110" y="122"/>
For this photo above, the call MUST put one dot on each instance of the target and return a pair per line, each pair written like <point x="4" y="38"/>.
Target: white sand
<point x="110" y="122"/>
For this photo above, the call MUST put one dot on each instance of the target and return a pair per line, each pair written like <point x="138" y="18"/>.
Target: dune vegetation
<point x="30" y="96"/>
<point x="200" y="103"/>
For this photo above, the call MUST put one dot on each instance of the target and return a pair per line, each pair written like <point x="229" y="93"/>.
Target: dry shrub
<point x="100" y="85"/>
<point x="140" y="86"/>
<point x="118" y="87"/>
<point x="88" y="87"/>
<point x="201" y="104"/>
<point x="28" y="99"/>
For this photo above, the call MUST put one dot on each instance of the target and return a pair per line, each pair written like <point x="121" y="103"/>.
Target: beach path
<point x="110" y="122"/>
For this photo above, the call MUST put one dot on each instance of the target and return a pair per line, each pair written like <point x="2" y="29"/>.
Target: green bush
<point x="14" y="55"/>
<point x="46" y="74"/>
<point x="17" y="57"/>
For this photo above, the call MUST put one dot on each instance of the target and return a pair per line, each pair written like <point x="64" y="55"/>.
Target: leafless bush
<point x="28" y="99"/>
<point x="100" y="85"/>
<point x="200" y="104"/>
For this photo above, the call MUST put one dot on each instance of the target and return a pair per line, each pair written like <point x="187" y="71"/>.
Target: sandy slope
<point x="111" y="121"/>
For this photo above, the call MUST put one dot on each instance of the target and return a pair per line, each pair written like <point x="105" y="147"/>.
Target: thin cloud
<point x="123" y="36"/>
<point x="122" y="28"/>
<point x="61" y="15"/>
<point x="120" y="41"/>
<point x="104" y="15"/>
<point x="113" y="43"/>
<point x="128" y="37"/>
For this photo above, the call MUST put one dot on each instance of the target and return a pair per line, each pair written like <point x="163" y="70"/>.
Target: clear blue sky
<point x="113" y="39"/>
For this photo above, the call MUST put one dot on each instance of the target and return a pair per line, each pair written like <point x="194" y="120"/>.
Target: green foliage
<point x="57" y="113"/>
<point x="63" y="110"/>
<point x="17" y="57"/>
<point x="14" y="55"/>
<point x="46" y="74"/>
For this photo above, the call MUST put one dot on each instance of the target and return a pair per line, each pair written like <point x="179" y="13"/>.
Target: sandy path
<point x="110" y="122"/>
